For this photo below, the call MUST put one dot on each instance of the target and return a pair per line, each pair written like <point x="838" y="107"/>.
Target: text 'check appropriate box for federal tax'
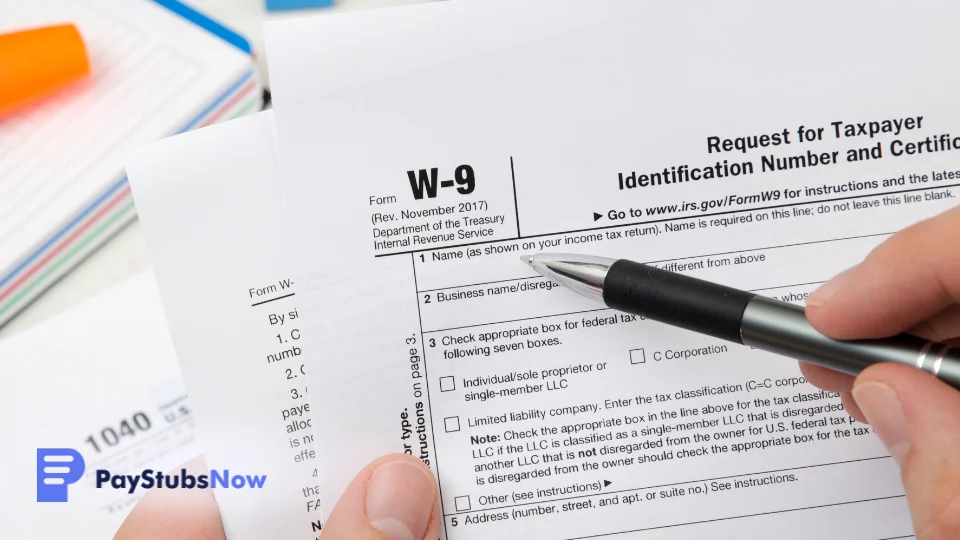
<point x="448" y="384"/>
<point x="638" y="356"/>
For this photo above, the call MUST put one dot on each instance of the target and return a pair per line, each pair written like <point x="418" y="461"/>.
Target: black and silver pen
<point x="735" y="315"/>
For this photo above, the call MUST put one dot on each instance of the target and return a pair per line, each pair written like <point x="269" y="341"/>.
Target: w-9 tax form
<point x="763" y="146"/>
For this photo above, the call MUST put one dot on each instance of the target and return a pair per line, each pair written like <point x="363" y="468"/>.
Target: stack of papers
<point x="158" y="68"/>
<point x="356" y="259"/>
<point x="102" y="379"/>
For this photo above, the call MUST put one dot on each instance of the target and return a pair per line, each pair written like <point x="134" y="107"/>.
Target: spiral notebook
<point x="158" y="68"/>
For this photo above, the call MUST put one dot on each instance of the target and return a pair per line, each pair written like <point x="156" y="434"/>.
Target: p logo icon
<point x="56" y="469"/>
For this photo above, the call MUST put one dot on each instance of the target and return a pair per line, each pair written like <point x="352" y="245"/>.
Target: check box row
<point x="449" y="383"/>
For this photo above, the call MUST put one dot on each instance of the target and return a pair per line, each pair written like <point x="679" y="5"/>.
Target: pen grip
<point x="675" y="299"/>
<point x="783" y="328"/>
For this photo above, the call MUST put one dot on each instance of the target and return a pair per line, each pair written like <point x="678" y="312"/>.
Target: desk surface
<point x="126" y="255"/>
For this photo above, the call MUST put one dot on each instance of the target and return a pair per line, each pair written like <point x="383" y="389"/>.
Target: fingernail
<point x="400" y="499"/>
<point x="884" y="412"/>
<point x="826" y="291"/>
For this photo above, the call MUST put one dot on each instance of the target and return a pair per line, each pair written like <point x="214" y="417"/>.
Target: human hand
<point x="910" y="283"/>
<point x="393" y="498"/>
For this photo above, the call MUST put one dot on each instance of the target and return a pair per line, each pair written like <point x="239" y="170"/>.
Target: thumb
<point x="393" y="498"/>
<point x="175" y="514"/>
<point x="918" y="419"/>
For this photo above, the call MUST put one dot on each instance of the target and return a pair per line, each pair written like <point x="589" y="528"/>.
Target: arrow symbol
<point x="597" y="216"/>
<point x="606" y="483"/>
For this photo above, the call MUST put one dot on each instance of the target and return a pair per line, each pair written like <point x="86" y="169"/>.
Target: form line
<point x="658" y="486"/>
<point x="729" y="518"/>
<point x="663" y="220"/>
<point x="272" y="300"/>
<point x="516" y="206"/>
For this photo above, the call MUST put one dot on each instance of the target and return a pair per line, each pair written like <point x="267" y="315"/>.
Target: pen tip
<point x="527" y="259"/>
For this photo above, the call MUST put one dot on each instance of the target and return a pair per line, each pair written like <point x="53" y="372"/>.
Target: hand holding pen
<point x="910" y="283"/>
<point x="893" y="322"/>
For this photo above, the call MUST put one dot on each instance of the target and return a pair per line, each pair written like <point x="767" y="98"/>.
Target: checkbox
<point x="638" y="356"/>
<point x="462" y="504"/>
<point x="451" y="424"/>
<point x="448" y="384"/>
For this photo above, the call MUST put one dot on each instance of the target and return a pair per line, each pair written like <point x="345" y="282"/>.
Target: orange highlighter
<point x="37" y="63"/>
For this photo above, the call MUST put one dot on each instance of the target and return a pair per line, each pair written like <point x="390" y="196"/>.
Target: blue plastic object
<point x="283" y="5"/>
<point x="208" y="24"/>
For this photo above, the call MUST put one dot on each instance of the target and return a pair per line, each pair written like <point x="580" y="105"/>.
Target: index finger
<point x="909" y="278"/>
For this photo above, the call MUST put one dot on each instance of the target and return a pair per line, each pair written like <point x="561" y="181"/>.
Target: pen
<point x="734" y="315"/>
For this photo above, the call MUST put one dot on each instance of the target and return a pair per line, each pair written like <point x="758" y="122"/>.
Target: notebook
<point x="158" y="68"/>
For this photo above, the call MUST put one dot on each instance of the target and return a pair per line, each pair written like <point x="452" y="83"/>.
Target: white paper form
<point x="102" y="379"/>
<point x="762" y="146"/>
<point x="209" y="204"/>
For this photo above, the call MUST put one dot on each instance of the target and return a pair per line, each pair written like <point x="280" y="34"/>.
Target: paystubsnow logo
<point x="150" y="479"/>
<point x="57" y="468"/>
